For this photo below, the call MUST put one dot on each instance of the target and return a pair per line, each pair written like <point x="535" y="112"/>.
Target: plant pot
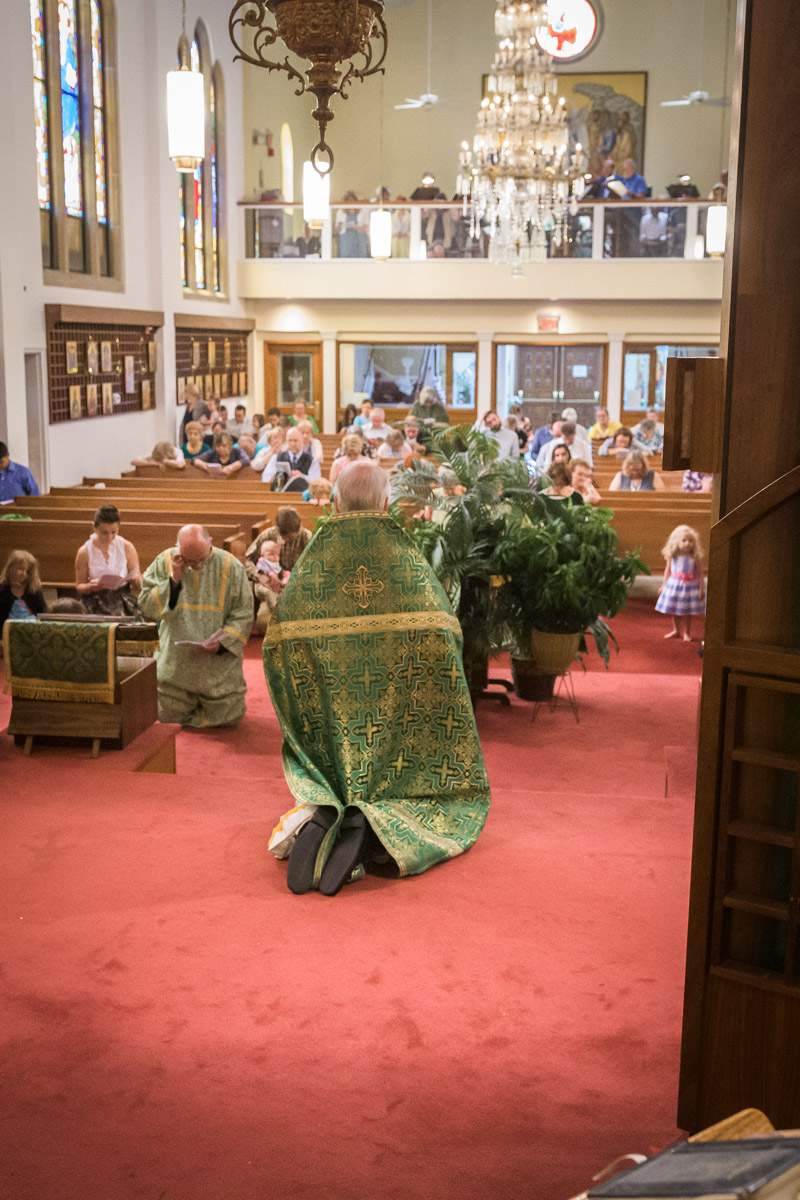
<point x="553" y="652"/>
<point x="529" y="683"/>
<point x="477" y="672"/>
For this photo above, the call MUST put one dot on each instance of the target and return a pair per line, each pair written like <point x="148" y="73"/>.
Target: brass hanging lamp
<point x="330" y="34"/>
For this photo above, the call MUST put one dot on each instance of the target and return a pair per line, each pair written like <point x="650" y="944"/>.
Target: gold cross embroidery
<point x="362" y="587"/>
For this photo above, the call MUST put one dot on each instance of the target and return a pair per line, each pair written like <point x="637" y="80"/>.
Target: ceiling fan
<point x="427" y="99"/>
<point x="699" y="96"/>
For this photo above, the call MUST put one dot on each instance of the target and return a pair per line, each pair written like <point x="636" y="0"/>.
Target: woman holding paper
<point x="107" y="574"/>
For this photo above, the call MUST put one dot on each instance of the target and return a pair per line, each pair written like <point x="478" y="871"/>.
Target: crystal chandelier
<point x="516" y="178"/>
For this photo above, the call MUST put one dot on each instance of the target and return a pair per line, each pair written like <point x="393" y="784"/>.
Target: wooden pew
<point x="161" y="513"/>
<point x="265" y="502"/>
<point x="646" y="529"/>
<point x="55" y="543"/>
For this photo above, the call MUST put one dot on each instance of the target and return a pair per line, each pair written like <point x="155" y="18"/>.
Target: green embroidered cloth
<point x="51" y="660"/>
<point x="363" y="661"/>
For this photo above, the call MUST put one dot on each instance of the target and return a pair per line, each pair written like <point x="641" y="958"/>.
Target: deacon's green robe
<point x="363" y="661"/>
<point x="196" y="688"/>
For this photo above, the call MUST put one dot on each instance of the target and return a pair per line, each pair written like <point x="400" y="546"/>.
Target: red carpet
<point x="178" y="1026"/>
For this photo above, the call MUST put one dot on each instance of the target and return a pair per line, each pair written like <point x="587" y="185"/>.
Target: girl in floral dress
<point x="682" y="593"/>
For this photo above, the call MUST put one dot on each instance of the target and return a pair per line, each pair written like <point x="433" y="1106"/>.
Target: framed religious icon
<point x="92" y="357"/>
<point x="71" y="350"/>
<point x="296" y="378"/>
<point x="607" y="115"/>
<point x="226" y="384"/>
<point x="91" y="399"/>
<point x="212" y="352"/>
<point x="181" y="389"/>
<point x="195" y="354"/>
<point x="243" y="383"/>
<point x="198" y="383"/>
<point x="218" y="386"/>
<point x="152" y="356"/>
<point x="227" y="353"/>
<point x="209" y="387"/>
<point x="130" y="375"/>
<point x="75" y="402"/>
<point x="108" y="398"/>
<point x="147" y="395"/>
<point x="105" y="357"/>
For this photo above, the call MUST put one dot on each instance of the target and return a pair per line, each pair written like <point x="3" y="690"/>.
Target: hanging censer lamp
<point x="329" y="34"/>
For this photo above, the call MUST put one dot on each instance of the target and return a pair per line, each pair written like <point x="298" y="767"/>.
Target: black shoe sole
<point x="347" y="852"/>
<point x="303" y="858"/>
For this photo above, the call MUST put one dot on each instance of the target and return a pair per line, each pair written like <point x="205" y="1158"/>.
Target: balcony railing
<point x="601" y="229"/>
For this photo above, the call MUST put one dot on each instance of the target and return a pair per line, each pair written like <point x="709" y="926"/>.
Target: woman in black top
<point x="21" y="596"/>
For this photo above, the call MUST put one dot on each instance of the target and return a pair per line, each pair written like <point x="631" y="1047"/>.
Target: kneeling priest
<point x="363" y="661"/>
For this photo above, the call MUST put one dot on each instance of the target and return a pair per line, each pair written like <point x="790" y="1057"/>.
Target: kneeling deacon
<point x="363" y="661"/>
<point x="202" y="599"/>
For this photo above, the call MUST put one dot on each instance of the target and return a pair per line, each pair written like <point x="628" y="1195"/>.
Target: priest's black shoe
<point x="347" y="852"/>
<point x="303" y="858"/>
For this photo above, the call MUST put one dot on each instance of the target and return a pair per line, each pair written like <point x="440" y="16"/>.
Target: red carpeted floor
<point x="178" y="1026"/>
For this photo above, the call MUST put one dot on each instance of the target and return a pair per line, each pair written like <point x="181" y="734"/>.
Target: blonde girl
<point x="682" y="591"/>
<point x="21" y="596"/>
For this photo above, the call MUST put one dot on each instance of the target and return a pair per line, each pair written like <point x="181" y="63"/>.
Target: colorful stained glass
<point x="70" y="106"/>
<point x="184" y="270"/>
<point x="99" y="110"/>
<point x="195" y="56"/>
<point x="214" y="198"/>
<point x="199" y="243"/>
<point x="40" y="103"/>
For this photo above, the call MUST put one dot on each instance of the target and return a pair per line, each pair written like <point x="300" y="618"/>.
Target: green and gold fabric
<point x="363" y="661"/>
<point x="51" y="660"/>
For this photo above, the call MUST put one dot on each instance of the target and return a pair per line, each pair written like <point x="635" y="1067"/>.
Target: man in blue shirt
<point x="635" y="185"/>
<point x="15" y="480"/>
<point x="543" y="435"/>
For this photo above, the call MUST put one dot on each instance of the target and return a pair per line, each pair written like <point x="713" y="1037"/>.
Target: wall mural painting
<point x="607" y="115"/>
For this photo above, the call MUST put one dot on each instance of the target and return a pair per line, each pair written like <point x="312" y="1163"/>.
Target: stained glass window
<point x="98" y="110"/>
<point x="214" y="198"/>
<point x="70" y="106"/>
<point x="201" y="205"/>
<point x="40" y="103"/>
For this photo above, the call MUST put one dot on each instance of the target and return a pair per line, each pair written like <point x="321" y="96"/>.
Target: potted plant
<point x="561" y="578"/>
<point x="468" y="497"/>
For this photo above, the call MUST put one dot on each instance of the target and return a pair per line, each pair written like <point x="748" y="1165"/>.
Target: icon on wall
<point x="130" y="375"/>
<point x="209" y="386"/>
<point x="227" y="353"/>
<point x="212" y="352"/>
<point x="152" y="356"/>
<point x="75" y="402"/>
<point x="72" y="358"/>
<point x="195" y="354"/>
<point x="108" y="400"/>
<point x="147" y="395"/>
<point x="105" y="357"/>
<point x="92" y="357"/>
<point x="91" y="399"/>
<point x="181" y="389"/>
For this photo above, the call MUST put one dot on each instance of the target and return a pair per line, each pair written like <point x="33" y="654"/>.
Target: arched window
<point x="201" y="194"/>
<point x="72" y="45"/>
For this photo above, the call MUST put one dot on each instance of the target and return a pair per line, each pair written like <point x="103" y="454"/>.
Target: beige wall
<point x="661" y="37"/>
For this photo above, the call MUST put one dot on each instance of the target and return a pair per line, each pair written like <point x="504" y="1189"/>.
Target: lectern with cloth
<point x="68" y="680"/>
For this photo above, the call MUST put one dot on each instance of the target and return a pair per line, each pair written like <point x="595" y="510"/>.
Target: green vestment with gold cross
<point x="363" y="662"/>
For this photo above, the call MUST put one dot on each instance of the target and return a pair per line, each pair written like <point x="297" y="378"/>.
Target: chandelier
<point x="327" y="33"/>
<point x="517" y="177"/>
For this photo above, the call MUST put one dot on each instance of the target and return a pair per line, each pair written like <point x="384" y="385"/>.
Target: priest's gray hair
<point x="362" y="486"/>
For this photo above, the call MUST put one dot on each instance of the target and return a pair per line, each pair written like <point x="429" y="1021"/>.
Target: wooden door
<point x="293" y="371"/>
<point x="742" y="1001"/>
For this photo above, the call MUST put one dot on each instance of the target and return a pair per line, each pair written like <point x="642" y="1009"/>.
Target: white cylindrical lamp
<point x="380" y="234"/>
<point x="316" y="196"/>
<point x="716" y="229"/>
<point x="186" y="118"/>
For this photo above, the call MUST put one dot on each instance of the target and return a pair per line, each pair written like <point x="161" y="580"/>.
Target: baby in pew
<point x="268" y="564"/>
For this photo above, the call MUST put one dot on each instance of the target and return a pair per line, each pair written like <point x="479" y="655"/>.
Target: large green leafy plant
<point x="462" y="542"/>
<point x="563" y="575"/>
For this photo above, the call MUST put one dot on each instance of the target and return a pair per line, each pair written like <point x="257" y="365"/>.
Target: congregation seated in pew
<point x="225" y="459"/>
<point x="21" y="595"/>
<point x="194" y="445"/>
<point x="107" y="573"/>
<point x="636" y="476"/>
<point x="621" y="443"/>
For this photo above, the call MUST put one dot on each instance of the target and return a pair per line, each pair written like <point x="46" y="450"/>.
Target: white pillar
<point x="614" y="376"/>
<point x="598" y="231"/>
<point x="692" y="214"/>
<point x="330" y="399"/>
<point x="483" y="391"/>
<point x="415" y="232"/>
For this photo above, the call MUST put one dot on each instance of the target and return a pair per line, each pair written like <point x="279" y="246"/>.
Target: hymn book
<point x="759" y="1168"/>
